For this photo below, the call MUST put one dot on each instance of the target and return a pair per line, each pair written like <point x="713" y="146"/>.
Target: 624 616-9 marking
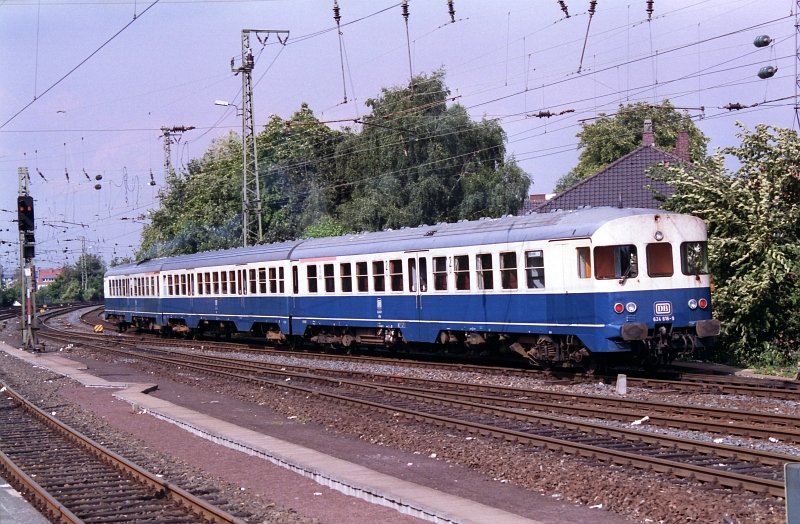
<point x="663" y="312"/>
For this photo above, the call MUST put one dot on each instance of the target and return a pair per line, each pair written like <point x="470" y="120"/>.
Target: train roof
<point x="545" y="226"/>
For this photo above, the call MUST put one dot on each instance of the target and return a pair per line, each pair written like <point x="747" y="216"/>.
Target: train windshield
<point x="616" y="261"/>
<point x="694" y="258"/>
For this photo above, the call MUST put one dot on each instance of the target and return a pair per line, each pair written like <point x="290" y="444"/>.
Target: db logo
<point x="663" y="308"/>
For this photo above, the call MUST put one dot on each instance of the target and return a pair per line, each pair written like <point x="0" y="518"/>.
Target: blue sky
<point x="503" y="59"/>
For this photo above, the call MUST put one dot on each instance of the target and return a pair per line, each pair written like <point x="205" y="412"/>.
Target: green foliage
<point x="753" y="217"/>
<point x="609" y="138"/>
<point x="67" y="286"/>
<point x="416" y="160"/>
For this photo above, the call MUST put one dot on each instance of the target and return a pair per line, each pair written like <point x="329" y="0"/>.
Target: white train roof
<point x="546" y="226"/>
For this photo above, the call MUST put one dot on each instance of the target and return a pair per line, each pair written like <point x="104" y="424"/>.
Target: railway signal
<point x="25" y="212"/>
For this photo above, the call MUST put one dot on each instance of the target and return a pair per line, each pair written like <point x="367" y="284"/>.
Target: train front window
<point x="659" y="260"/>
<point x="615" y="262"/>
<point x="694" y="258"/>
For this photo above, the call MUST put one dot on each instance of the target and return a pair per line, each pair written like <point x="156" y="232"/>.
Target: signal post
<point x="27" y="243"/>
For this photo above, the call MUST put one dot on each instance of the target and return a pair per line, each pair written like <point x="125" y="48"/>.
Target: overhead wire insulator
<point x="405" y="10"/>
<point x="408" y="43"/>
<point x="563" y="7"/>
<point x="649" y="10"/>
<point x="762" y="41"/>
<point x="734" y="106"/>
<point x="452" y="11"/>
<point x="66" y="174"/>
<point x="41" y="174"/>
<point x="592" y="8"/>
<point x="337" y="16"/>
<point x="767" y="72"/>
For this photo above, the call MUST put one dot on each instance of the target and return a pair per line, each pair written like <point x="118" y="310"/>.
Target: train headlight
<point x="692" y="304"/>
<point x="619" y="308"/>
<point x="659" y="236"/>
<point x="630" y="307"/>
<point x="703" y="303"/>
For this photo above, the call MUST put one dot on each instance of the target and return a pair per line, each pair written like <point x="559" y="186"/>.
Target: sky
<point x="88" y="85"/>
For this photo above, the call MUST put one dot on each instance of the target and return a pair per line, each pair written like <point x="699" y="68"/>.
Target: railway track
<point x="71" y="478"/>
<point x="548" y="424"/>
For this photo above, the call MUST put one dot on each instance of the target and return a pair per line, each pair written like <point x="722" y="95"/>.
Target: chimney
<point x="682" y="146"/>
<point x="647" y="136"/>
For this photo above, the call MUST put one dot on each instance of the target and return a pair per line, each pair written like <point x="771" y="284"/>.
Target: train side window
<point x="508" y="270"/>
<point x="440" y="273"/>
<point x="346" y="275"/>
<point x="461" y="269"/>
<point x="616" y="262"/>
<point x="378" y="278"/>
<point x="281" y="288"/>
<point x="412" y="275"/>
<point x="659" y="259"/>
<point x="295" y="280"/>
<point x="253" y="281"/>
<point x="232" y="282"/>
<point x="273" y="280"/>
<point x="311" y="275"/>
<point x="223" y="280"/>
<point x="534" y="269"/>
<point x="362" y="280"/>
<point x="183" y="285"/>
<point x="330" y="279"/>
<point x="200" y="284"/>
<point x="170" y="291"/>
<point x="694" y="258"/>
<point x="242" y="282"/>
<point x="423" y="274"/>
<point x="191" y="284"/>
<point x="396" y="274"/>
<point x="262" y="280"/>
<point x="483" y="265"/>
<point x="584" y="262"/>
<point x="215" y="274"/>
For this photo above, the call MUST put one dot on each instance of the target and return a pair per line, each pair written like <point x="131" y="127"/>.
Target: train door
<point x="417" y="264"/>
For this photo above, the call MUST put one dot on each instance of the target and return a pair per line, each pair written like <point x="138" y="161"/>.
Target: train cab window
<point x="330" y="279"/>
<point x="508" y="270"/>
<point x="311" y="275"/>
<point x="694" y="258"/>
<point x="396" y="274"/>
<point x="378" y="279"/>
<point x="262" y="280"/>
<point x="615" y="262"/>
<point x="584" y="262"/>
<point x="440" y="273"/>
<point x="362" y="280"/>
<point x="534" y="269"/>
<point x="251" y="278"/>
<point x="659" y="259"/>
<point x="346" y="275"/>
<point x="483" y="265"/>
<point x="461" y="270"/>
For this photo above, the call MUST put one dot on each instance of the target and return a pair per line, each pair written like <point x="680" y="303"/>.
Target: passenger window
<point x="615" y="262"/>
<point x="223" y="279"/>
<point x="508" y="270"/>
<point x="659" y="260"/>
<point x="330" y="280"/>
<point x="281" y="287"/>
<point x="483" y="265"/>
<point x="423" y="274"/>
<point x="183" y="285"/>
<point x="584" y="262"/>
<point x="396" y="274"/>
<point x="311" y="275"/>
<point x="361" y="276"/>
<point x="262" y="280"/>
<point x="534" y="269"/>
<point x="208" y="283"/>
<point x="694" y="258"/>
<point x="170" y="289"/>
<point x="232" y="281"/>
<point x="253" y="281"/>
<point x="378" y="279"/>
<point x="273" y="280"/>
<point x="345" y="274"/>
<point x="440" y="273"/>
<point x="461" y="270"/>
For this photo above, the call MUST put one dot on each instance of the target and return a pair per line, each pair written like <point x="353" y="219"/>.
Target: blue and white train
<point x="558" y="288"/>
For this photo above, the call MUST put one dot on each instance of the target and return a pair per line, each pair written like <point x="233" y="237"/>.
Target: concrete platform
<point x="347" y="477"/>
<point x="16" y="510"/>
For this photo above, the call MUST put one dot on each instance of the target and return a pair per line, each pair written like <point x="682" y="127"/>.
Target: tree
<point x="610" y="137"/>
<point x="419" y="161"/>
<point x="753" y="218"/>
<point x="67" y="286"/>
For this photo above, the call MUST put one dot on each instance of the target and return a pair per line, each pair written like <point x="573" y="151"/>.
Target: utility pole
<point x="252" y="232"/>
<point x="27" y="266"/>
<point x="167" y="134"/>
